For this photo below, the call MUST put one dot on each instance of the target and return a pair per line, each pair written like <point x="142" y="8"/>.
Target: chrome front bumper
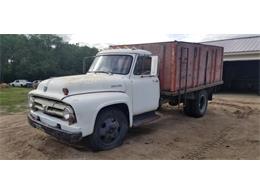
<point x="57" y="131"/>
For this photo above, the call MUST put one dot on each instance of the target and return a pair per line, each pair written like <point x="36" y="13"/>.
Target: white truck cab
<point x="120" y="90"/>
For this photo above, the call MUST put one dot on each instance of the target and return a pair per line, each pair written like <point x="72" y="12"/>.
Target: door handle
<point x="156" y="80"/>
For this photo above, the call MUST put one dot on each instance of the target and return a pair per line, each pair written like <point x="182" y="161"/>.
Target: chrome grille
<point x="50" y="107"/>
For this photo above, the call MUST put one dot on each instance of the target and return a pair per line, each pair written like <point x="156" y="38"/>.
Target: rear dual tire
<point x="197" y="107"/>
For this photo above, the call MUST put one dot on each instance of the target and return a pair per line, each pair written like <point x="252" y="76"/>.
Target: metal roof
<point x="236" y="45"/>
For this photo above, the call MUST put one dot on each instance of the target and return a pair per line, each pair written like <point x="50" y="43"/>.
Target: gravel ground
<point x="229" y="130"/>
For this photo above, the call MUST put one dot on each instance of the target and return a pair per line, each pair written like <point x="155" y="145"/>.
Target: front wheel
<point x="110" y="130"/>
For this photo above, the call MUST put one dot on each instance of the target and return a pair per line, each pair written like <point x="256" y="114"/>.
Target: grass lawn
<point x="13" y="99"/>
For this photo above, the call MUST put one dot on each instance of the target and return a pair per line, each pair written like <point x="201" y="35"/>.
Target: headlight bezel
<point x="31" y="102"/>
<point x="69" y="115"/>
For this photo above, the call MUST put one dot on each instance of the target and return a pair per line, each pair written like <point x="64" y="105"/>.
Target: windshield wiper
<point x="101" y="71"/>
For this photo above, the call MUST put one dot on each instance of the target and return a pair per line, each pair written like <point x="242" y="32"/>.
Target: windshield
<point x="115" y="64"/>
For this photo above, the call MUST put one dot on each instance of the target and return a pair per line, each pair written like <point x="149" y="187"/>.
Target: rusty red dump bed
<point x="185" y="67"/>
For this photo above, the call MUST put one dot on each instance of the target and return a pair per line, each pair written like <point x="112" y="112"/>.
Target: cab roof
<point x="124" y="51"/>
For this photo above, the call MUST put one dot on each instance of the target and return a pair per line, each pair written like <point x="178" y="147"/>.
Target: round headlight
<point x="67" y="113"/>
<point x="31" y="102"/>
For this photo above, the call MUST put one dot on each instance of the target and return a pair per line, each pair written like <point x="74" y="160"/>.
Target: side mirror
<point x="154" y="66"/>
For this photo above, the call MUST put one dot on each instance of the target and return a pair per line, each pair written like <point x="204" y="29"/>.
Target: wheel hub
<point x="109" y="130"/>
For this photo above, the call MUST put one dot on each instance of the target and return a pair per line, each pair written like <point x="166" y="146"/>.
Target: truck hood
<point x="88" y="83"/>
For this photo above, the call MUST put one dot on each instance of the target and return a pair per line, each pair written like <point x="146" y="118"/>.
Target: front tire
<point x="110" y="129"/>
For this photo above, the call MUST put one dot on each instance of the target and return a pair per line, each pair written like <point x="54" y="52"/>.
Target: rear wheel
<point x="188" y="107"/>
<point x="201" y="104"/>
<point x="110" y="130"/>
<point x="198" y="106"/>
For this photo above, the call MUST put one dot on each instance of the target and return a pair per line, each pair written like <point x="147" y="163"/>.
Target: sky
<point x="103" y="40"/>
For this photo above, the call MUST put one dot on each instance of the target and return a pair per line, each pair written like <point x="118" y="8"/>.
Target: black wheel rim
<point x="109" y="130"/>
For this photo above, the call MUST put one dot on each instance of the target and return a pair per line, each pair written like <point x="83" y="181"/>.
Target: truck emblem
<point x="45" y="88"/>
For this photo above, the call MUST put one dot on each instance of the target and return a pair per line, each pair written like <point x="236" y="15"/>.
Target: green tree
<point x="40" y="57"/>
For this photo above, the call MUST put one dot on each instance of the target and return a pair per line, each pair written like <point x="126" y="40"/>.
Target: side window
<point x="143" y="65"/>
<point x="17" y="81"/>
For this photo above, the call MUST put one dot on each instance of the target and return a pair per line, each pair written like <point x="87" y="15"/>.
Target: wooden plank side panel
<point x="174" y="66"/>
<point x="213" y="59"/>
<point x="208" y="66"/>
<point x="178" y="68"/>
<point x="190" y="66"/>
<point x="184" y="67"/>
<point x="202" y="65"/>
<point x="198" y="66"/>
<point x="169" y="69"/>
<point x="195" y="67"/>
<point x="214" y="66"/>
<point x="219" y="68"/>
<point x="211" y="69"/>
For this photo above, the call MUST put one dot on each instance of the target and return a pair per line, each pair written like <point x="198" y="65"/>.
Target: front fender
<point x="87" y="106"/>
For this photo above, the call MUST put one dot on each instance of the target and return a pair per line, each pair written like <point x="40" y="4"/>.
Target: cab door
<point x="145" y="86"/>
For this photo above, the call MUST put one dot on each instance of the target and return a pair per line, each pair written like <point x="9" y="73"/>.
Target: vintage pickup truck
<point x="122" y="90"/>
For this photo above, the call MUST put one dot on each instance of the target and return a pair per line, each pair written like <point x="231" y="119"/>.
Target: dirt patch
<point x="230" y="130"/>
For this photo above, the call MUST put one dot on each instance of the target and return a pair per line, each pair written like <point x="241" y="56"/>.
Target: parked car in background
<point x="29" y="84"/>
<point x="21" y="83"/>
<point x="35" y="83"/>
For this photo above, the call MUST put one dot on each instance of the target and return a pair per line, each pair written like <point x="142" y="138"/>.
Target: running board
<point x="144" y="118"/>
